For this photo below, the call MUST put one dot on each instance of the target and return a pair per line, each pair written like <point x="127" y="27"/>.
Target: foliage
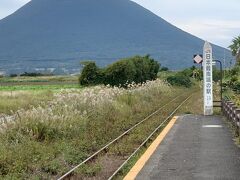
<point x="188" y="71"/>
<point x="180" y="79"/>
<point x="197" y="74"/>
<point x="232" y="79"/>
<point x="236" y="87"/>
<point x="31" y="74"/>
<point x="235" y="47"/>
<point x="13" y="75"/>
<point x="120" y="73"/>
<point x="47" y="140"/>
<point x="216" y="74"/>
<point x="136" y="69"/>
<point x="192" y="72"/>
<point x="164" y="69"/>
<point x="91" y="74"/>
<point x="235" y="71"/>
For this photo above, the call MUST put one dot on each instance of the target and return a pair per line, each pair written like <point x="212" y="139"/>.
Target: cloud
<point x="7" y="7"/>
<point x="220" y="32"/>
<point x="216" y="21"/>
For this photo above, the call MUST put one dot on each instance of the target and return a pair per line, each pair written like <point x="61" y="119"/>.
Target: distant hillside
<point x="59" y="33"/>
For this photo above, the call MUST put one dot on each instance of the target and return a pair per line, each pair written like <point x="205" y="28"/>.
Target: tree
<point x="137" y="69"/>
<point x="120" y="73"/>
<point x="164" y="69"/>
<point x="91" y="74"/>
<point x="179" y="79"/>
<point x="235" y="47"/>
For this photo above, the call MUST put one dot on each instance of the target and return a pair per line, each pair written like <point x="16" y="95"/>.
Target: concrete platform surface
<point x="196" y="147"/>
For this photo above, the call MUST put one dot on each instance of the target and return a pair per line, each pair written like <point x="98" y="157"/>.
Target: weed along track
<point x="115" y="158"/>
<point x="83" y="133"/>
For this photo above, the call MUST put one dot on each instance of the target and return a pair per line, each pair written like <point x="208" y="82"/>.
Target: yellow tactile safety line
<point x="145" y="157"/>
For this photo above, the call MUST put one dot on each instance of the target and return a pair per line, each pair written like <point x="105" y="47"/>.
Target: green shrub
<point x="192" y="72"/>
<point x="164" y="69"/>
<point x="120" y="73"/>
<point x="179" y="80"/>
<point x="235" y="71"/>
<point x="236" y="87"/>
<point x="91" y="74"/>
<point x="13" y="75"/>
<point x="216" y="74"/>
<point x="197" y="74"/>
<point x="137" y="69"/>
<point x="51" y="167"/>
<point x="187" y="72"/>
<point x="32" y="74"/>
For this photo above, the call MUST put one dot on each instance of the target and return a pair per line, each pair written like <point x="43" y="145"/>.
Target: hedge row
<point x="180" y="79"/>
<point x="136" y="69"/>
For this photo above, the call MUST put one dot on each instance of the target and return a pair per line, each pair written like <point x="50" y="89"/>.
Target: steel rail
<point x="116" y="139"/>
<point x="148" y="138"/>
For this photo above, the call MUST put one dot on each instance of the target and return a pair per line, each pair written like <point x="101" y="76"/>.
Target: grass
<point x="233" y="96"/>
<point x="140" y="134"/>
<point x="40" y="79"/>
<point x="16" y="97"/>
<point x="48" y="139"/>
<point x="10" y="102"/>
<point x="166" y="74"/>
<point x="37" y="87"/>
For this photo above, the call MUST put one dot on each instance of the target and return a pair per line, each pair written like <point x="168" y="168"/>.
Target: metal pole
<point x="221" y="77"/>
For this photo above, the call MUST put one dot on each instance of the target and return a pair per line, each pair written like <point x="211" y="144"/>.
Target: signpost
<point x="207" y="79"/>
<point x="197" y="58"/>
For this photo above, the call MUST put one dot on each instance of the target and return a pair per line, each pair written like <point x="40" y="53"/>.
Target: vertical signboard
<point x="207" y="79"/>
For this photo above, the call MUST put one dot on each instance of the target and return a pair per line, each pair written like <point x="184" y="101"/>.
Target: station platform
<point x="195" y="147"/>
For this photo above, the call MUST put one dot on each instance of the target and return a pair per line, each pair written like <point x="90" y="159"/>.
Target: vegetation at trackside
<point x="185" y="77"/>
<point x="232" y="77"/>
<point x="231" y="84"/>
<point x="179" y="80"/>
<point x="235" y="47"/>
<point x="46" y="140"/>
<point x="137" y="69"/>
<point x="55" y="129"/>
<point x="57" y="126"/>
<point x="12" y="101"/>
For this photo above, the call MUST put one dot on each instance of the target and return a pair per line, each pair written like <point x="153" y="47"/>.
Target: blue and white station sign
<point x="207" y="79"/>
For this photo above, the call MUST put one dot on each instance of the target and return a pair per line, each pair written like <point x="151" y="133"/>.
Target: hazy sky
<point x="217" y="21"/>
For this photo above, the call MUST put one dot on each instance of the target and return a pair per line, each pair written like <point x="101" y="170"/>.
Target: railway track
<point x="157" y="126"/>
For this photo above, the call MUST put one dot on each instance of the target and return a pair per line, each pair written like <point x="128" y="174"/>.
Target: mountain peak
<point x="60" y="33"/>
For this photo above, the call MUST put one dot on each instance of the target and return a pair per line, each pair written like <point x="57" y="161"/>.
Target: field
<point x="23" y="92"/>
<point x="48" y="129"/>
<point x="21" y="79"/>
<point x="32" y="87"/>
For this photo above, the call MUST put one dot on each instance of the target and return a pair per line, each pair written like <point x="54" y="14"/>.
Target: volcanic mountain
<point x="57" y="34"/>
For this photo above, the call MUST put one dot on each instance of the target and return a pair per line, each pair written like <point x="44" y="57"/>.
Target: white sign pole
<point x="207" y="79"/>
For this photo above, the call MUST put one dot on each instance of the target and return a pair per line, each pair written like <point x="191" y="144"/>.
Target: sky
<point x="217" y="21"/>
